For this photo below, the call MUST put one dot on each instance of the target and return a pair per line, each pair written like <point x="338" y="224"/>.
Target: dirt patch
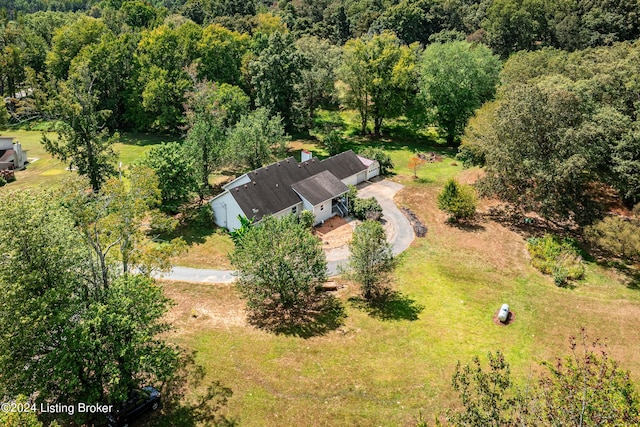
<point x="202" y="306"/>
<point x="470" y="176"/>
<point x="335" y="233"/>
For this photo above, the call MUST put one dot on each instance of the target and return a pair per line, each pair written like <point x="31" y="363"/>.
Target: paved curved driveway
<point x="398" y="228"/>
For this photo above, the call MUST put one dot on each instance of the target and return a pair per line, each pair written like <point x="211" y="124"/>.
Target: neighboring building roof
<point x="320" y="187"/>
<point x="270" y="189"/>
<point x="366" y="162"/>
<point x="7" y="155"/>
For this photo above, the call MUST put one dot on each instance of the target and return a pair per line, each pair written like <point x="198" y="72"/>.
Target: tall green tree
<point x="317" y="76"/>
<point x="485" y="395"/>
<point x="83" y="139"/>
<point x="257" y="139"/>
<point x="69" y="40"/>
<point x="113" y="224"/>
<point x="371" y="258"/>
<point x="221" y="55"/>
<point x="110" y="61"/>
<point x="210" y="110"/>
<point x="585" y="388"/>
<point x="75" y="340"/>
<point x="162" y="56"/>
<point x="176" y="176"/>
<point x="274" y="75"/>
<point x="412" y="21"/>
<point x="545" y="147"/>
<point x="280" y="266"/>
<point x="378" y="76"/>
<point x="514" y="25"/>
<point x="456" y="79"/>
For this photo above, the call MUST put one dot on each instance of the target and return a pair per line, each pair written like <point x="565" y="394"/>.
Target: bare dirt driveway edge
<point x="399" y="232"/>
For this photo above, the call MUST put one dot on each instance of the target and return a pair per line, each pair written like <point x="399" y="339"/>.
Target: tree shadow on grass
<point x="187" y="400"/>
<point x="391" y="305"/>
<point x="322" y="314"/>
<point x="469" y="226"/>
<point x="631" y="275"/>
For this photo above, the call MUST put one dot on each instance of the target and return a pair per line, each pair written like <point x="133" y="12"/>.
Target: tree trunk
<point x="451" y="140"/>
<point x="377" y="126"/>
<point x="94" y="177"/>
<point x="363" y="123"/>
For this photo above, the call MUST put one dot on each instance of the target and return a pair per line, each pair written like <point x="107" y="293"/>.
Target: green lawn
<point x="206" y="248"/>
<point x="371" y="371"/>
<point x="46" y="172"/>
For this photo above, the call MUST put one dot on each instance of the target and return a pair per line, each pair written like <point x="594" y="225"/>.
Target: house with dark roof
<point x="289" y="187"/>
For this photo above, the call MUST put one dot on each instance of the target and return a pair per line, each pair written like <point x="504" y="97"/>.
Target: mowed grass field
<point x="205" y="248"/>
<point x="377" y="372"/>
<point x="47" y="172"/>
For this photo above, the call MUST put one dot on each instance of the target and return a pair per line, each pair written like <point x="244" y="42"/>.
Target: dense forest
<point x="221" y="69"/>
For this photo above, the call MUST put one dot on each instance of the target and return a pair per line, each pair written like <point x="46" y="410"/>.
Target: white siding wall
<point x="288" y="211"/>
<point x="324" y="213"/>
<point x="6" y="143"/>
<point x="351" y="180"/>
<point x="373" y="170"/>
<point x="226" y="211"/>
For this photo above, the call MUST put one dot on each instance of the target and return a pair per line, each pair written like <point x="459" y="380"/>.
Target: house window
<point x="294" y="209"/>
<point x="321" y="207"/>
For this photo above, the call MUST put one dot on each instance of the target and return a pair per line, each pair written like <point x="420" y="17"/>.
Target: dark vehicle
<point x="139" y="403"/>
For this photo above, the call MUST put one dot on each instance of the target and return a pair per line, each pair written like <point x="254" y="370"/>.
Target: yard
<point x="387" y="368"/>
<point x="46" y="172"/>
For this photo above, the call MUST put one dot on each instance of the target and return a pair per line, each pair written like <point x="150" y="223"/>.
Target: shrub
<point x="245" y="226"/>
<point x="307" y="219"/>
<point x="367" y="209"/>
<point x="352" y="196"/>
<point x="334" y="143"/>
<point x="202" y="216"/>
<point x="618" y="236"/>
<point x="3" y="181"/>
<point x="380" y="156"/>
<point x="458" y="200"/>
<point x="558" y="257"/>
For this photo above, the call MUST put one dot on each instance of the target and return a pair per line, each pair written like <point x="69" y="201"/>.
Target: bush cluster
<point x="364" y="209"/>
<point x="558" y="257"/>
<point x="617" y="235"/>
<point x="458" y="200"/>
<point x="379" y="155"/>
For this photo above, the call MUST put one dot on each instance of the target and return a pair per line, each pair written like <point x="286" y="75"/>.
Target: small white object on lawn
<point x="503" y="315"/>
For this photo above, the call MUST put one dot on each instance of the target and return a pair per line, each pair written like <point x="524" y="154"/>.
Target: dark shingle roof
<point x="270" y="190"/>
<point x="343" y="165"/>
<point x="320" y="187"/>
